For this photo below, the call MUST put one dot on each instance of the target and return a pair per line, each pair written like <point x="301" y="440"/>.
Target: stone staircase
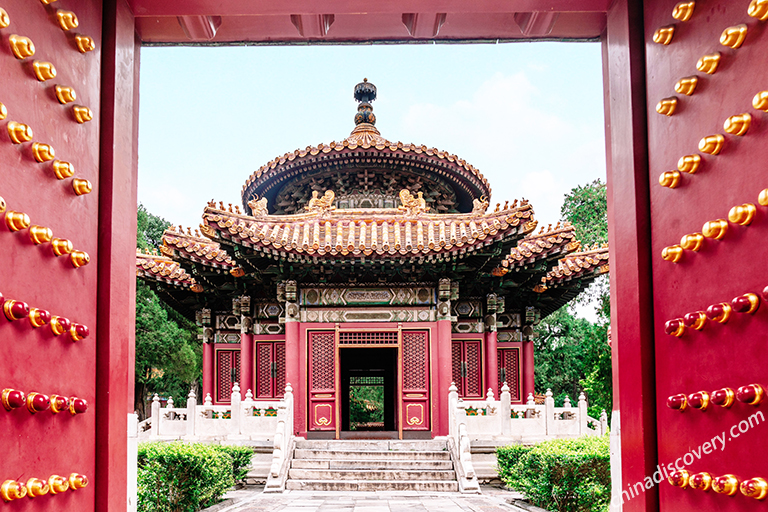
<point x="372" y="466"/>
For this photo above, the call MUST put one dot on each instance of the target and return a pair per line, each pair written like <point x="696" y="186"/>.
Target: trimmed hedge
<point x="181" y="477"/>
<point x="563" y="475"/>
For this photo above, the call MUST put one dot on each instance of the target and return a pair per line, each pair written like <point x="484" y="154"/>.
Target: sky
<point x="528" y="115"/>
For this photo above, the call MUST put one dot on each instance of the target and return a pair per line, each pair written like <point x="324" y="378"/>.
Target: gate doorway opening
<point x="368" y="393"/>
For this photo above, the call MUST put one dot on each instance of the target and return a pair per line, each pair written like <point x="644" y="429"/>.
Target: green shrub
<point x="180" y="477"/>
<point x="241" y="459"/>
<point x="564" y="475"/>
<point x="507" y="457"/>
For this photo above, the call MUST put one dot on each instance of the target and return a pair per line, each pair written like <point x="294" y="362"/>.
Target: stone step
<point x="372" y="445"/>
<point x="372" y="485"/>
<point x="424" y="465"/>
<point x="369" y="455"/>
<point x="386" y="475"/>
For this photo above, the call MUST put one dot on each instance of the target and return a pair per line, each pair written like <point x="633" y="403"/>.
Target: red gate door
<point x="466" y="365"/>
<point x="227" y="373"/>
<point x="322" y="381"/>
<point x="707" y="77"/>
<point x="509" y="371"/>
<point x="415" y="403"/>
<point x="270" y="369"/>
<point x="65" y="257"/>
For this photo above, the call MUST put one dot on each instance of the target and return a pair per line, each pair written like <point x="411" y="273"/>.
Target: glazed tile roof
<point x="164" y="269"/>
<point x="545" y="244"/>
<point x="578" y="265"/>
<point x="196" y="248"/>
<point x="368" y="232"/>
<point x="366" y="140"/>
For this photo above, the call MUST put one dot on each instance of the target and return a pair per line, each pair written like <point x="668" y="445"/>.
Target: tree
<point x="586" y="207"/>
<point x="572" y="354"/>
<point x="168" y="357"/>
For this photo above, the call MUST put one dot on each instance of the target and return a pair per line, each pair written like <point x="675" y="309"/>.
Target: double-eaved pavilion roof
<point x="419" y="236"/>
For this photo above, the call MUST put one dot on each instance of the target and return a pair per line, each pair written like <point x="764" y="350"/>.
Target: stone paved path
<point x="492" y="500"/>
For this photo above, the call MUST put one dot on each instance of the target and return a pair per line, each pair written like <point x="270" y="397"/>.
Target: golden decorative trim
<point x="689" y="163"/>
<point x="733" y="37"/>
<point x="82" y="114"/>
<point x="669" y="179"/>
<point x="687" y="85"/>
<point x="84" y="44"/>
<point x="65" y="94"/>
<point x="43" y="70"/>
<point x="712" y="144"/>
<point x="62" y="169"/>
<point x="42" y="152"/>
<point x="758" y="9"/>
<point x="19" y="132"/>
<point x="667" y="106"/>
<point x="664" y="35"/>
<point x="67" y="19"/>
<point x="738" y="124"/>
<point x="82" y="186"/>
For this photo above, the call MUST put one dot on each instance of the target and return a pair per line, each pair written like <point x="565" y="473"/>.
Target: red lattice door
<point x="322" y="380"/>
<point x="509" y="371"/>
<point x="467" y="368"/>
<point x="227" y="373"/>
<point x="270" y="369"/>
<point x="415" y="404"/>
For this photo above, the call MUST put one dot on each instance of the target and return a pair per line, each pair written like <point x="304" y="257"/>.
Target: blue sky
<point x="528" y="115"/>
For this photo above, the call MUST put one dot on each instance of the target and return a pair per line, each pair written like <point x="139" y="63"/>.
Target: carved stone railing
<point x="459" y="443"/>
<point x="240" y="420"/>
<point x="499" y="420"/>
<point x="282" y="453"/>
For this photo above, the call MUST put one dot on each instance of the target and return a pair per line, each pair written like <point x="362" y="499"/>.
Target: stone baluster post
<point x="169" y="414"/>
<point x="583" y="415"/>
<point x="155" y="427"/>
<point x="208" y="406"/>
<point x="549" y="407"/>
<point x="235" y="404"/>
<point x="603" y="423"/>
<point x="505" y="410"/>
<point x="288" y="400"/>
<point x="453" y="400"/>
<point x="191" y="410"/>
<point x="530" y="404"/>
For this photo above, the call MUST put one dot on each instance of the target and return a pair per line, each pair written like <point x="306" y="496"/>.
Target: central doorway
<point x="368" y="392"/>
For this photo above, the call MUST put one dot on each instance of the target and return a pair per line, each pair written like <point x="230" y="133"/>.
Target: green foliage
<point x="241" y="459"/>
<point x="168" y="356"/>
<point x="572" y="355"/>
<point x="366" y="404"/>
<point x="586" y="207"/>
<point x="180" y="477"/>
<point x="507" y="457"/>
<point x="564" y="475"/>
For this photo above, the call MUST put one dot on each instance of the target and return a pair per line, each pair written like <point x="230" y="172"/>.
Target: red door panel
<point x="227" y="373"/>
<point x="509" y="371"/>
<point x="270" y="369"/>
<point x="466" y="368"/>
<point x="322" y="380"/>
<point x="415" y="404"/>
<point x="725" y="354"/>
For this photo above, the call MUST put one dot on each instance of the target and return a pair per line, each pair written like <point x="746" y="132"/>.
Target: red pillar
<point x="442" y="377"/>
<point x="293" y="373"/>
<point x="208" y="373"/>
<point x="492" y="362"/>
<point x="115" y="350"/>
<point x="247" y="363"/>
<point x="629" y="235"/>
<point x="528" y="380"/>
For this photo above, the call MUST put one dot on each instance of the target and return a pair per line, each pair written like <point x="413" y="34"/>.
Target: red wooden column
<point x="492" y="362"/>
<point x="293" y="371"/>
<point x="528" y="372"/>
<point x="443" y="377"/>
<point x="117" y="228"/>
<point x="208" y="373"/>
<point x="629" y="237"/>
<point x="247" y="362"/>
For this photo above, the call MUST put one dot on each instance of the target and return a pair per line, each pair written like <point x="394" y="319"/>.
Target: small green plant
<point x="182" y="477"/>
<point x="564" y="475"/>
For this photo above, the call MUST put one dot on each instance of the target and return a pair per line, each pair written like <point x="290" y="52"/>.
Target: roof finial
<point x="365" y="93"/>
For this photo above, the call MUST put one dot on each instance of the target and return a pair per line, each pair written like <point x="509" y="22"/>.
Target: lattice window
<point x="415" y="360"/>
<point x="263" y="370"/>
<point x="228" y="372"/>
<point x="362" y="380"/>
<point x="509" y="371"/>
<point x="456" y="364"/>
<point x="280" y="369"/>
<point x="473" y="385"/>
<point x="368" y="338"/>
<point x="323" y="371"/>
